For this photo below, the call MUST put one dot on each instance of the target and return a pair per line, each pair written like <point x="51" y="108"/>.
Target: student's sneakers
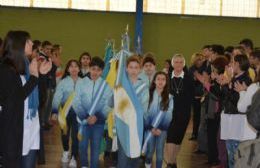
<point x="65" y="157"/>
<point x="73" y="162"/>
<point x="148" y="165"/>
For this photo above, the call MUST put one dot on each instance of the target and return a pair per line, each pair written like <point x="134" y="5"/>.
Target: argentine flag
<point x="128" y="112"/>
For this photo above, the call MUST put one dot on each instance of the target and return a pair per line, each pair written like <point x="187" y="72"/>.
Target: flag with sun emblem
<point x="128" y="112"/>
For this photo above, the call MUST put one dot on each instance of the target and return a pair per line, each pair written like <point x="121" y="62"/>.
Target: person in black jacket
<point x="13" y="93"/>
<point x="197" y="61"/>
<point x="213" y="106"/>
<point x="182" y="89"/>
<point x="230" y="118"/>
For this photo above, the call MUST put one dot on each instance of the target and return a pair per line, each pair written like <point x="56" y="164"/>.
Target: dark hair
<point x="55" y="47"/>
<point x="13" y="50"/>
<point x="247" y="42"/>
<point x="217" y="48"/>
<point x="84" y="54"/>
<point x="36" y="44"/>
<point x="242" y="61"/>
<point x="168" y="61"/>
<point x="133" y="58"/>
<point x="206" y="46"/>
<point x="66" y="71"/>
<point x="97" y="61"/>
<point x="229" y="49"/>
<point x="165" y="93"/>
<point x="148" y="57"/>
<point x="46" y="43"/>
<point x="219" y="64"/>
<point x="228" y="56"/>
<point x="256" y="54"/>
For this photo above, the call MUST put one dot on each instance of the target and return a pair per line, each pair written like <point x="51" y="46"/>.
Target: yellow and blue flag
<point x="63" y="112"/>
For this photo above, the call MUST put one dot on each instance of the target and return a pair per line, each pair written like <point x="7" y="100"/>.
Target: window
<point x="50" y="3"/>
<point x="233" y="8"/>
<point x="240" y="8"/>
<point x="24" y="3"/>
<point x="202" y="7"/>
<point x="89" y="4"/>
<point x="122" y="5"/>
<point x="164" y="6"/>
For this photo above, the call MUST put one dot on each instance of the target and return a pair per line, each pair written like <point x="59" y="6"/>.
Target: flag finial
<point x="126" y="30"/>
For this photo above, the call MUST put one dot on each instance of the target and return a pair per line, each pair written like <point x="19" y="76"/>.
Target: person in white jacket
<point x="245" y="100"/>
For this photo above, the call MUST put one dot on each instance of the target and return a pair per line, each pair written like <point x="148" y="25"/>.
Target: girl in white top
<point x="245" y="99"/>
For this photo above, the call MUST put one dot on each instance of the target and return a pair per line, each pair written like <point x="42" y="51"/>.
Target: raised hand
<point x="45" y="66"/>
<point x="240" y="86"/>
<point x="223" y="79"/>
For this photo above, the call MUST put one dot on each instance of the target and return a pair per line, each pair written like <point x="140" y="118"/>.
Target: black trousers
<point x="72" y="131"/>
<point x="41" y="151"/>
<point x="212" y="131"/>
<point x="196" y="116"/>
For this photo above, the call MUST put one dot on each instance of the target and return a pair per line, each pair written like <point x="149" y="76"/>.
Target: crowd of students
<point x="218" y="88"/>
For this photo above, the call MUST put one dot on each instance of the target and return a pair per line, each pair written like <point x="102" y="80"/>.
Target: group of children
<point x="77" y="91"/>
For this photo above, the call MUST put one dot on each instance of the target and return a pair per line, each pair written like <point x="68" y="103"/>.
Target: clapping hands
<point x="240" y="86"/>
<point x="43" y="67"/>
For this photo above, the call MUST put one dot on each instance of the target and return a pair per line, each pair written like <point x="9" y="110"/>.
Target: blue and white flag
<point x="128" y="112"/>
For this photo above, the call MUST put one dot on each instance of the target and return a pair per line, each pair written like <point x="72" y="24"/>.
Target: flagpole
<point x="139" y="27"/>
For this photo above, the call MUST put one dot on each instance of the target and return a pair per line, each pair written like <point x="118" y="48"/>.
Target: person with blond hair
<point x="196" y="62"/>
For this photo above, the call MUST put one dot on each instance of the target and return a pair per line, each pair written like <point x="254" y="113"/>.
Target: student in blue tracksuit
<point x="91" y="127"/>
<point x="160" y="100"/>
<point x="67" y="86"/>
<point x="149" y="68"/>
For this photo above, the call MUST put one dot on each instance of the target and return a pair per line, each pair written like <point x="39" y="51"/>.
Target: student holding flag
<point x="157" y="118"/>
<point x="131" y="101"/>
<point x="63" y="109"/>
<point x="92" y="120"/>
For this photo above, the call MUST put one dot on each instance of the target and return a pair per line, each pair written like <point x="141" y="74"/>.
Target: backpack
<point x="248" y="154"/>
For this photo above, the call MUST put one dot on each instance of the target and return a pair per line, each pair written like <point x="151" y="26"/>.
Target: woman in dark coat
<point x="16" y="46"/>
<point x="182" y="88"/>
